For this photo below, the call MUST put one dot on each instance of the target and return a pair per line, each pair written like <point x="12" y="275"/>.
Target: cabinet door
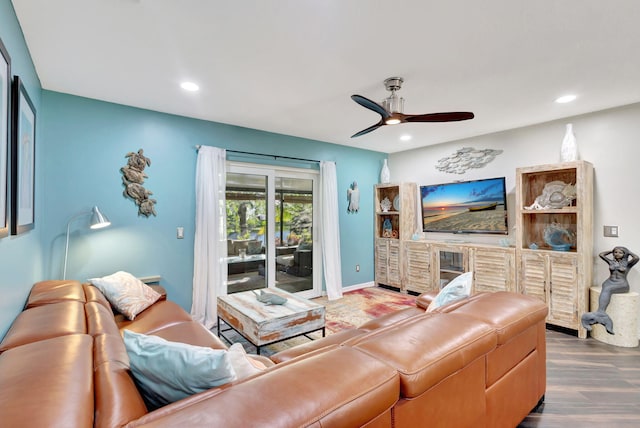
<point x="382" y="255"/>
<point x="493" y="270"/>
<point x="417" y="270"/>
<point x="533" y="275"/>
<point x="563" y="287"/>
<point x="393" y="263"/>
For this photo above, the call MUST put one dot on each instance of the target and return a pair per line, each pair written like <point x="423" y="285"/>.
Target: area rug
<point x="359" y="306"/>
<point x="352" y="310"/>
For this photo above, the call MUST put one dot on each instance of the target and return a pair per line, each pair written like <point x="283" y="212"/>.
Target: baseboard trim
<point x="352" y="287"/>
<point x="359" y="286"/>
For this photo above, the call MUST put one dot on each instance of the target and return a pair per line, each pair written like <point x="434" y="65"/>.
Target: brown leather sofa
<point x="478" y="362"/>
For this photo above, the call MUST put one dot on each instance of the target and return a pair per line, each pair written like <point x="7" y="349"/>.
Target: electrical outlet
<point x="357" y="268"/>
<point x="180" y="233"/>
<point x="611" y="231"/>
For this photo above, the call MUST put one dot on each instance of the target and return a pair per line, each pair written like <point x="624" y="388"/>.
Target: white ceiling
<point x="290" y="66"/>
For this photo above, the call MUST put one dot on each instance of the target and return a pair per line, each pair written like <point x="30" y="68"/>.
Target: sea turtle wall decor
<point x="133" y="177"/>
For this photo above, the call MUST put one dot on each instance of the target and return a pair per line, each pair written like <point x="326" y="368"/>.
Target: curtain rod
<point x="275" y="157"/>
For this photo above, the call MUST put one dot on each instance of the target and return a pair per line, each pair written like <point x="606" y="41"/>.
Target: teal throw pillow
<point x="458" y="288"/>
<point x="169" y="371"/>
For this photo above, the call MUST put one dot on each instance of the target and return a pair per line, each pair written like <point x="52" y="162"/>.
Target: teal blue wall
<point x="80" y="148"/>
<point x="20" y="256"/>
<point x="84" y="143"/>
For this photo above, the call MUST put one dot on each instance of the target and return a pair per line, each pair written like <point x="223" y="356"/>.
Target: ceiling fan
<point x="392" y="106"/>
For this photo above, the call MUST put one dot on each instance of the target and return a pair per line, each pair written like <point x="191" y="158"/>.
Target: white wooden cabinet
<point x="429" y="265"/>
<point x="552" y="279"/>
<point x="388" y="262"/>
<point x="493" y="268"/>
<point x="395" y="220"/>
<point x="559" y="278"/>
<point x="417" y="267"/>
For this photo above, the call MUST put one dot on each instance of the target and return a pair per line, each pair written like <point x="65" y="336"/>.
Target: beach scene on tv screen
<point x="470" y="206"/>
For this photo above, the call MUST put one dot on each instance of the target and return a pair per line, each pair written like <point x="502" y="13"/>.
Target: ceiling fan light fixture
<point x="391" y="110"/>
<point x="393" y="103"/>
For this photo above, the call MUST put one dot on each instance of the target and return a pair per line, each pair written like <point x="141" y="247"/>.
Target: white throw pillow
<point x="170" y="371"/>
<point x="126" y="293"/>
<point x="242" y="364"/>
<point x="458" y="288"/>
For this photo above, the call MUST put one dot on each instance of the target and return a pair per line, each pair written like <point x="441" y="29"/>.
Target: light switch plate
<point x="180" y="233"/>
<point x="611" y="231"/>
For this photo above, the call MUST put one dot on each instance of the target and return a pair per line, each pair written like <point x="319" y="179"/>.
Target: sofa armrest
<point x="424" y="300"/>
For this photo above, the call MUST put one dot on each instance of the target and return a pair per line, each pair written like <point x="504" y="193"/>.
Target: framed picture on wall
<point x="5" y="103"/>
<point x="23" y="156"/>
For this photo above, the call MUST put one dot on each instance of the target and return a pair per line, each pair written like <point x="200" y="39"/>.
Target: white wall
<point x="609" y="139"/>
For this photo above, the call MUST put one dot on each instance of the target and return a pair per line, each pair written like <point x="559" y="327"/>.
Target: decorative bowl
<point x="558" y="237"/>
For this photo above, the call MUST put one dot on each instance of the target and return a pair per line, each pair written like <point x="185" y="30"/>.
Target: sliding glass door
<point x="270" y="229"/>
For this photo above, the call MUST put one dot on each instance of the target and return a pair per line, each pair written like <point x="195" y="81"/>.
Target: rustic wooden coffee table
<point x="263" y="324"/>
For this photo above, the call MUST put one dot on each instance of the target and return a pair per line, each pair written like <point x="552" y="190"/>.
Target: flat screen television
<point x="478" y="206"/>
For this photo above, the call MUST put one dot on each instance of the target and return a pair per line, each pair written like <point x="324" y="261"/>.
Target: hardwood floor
<point x="589" y="384"/>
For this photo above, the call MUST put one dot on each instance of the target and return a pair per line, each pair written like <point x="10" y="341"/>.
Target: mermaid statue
<point x="620" y="261"/>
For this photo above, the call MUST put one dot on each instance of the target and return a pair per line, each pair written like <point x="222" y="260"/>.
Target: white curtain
<point x="330" y="230"/>
<point x="210" y="247"/>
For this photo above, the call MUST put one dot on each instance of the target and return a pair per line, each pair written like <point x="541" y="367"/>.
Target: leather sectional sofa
<point x="479" y="362"/>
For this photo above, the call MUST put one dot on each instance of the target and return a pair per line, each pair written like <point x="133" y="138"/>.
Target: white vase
<point x="569" y="149"/>
<point x="385" y="174"/>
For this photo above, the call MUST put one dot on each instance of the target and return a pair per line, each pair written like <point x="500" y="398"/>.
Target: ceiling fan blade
<point x="371" y="105"/>
<point x="369" y="129"/>
<point x="439" y="117"/>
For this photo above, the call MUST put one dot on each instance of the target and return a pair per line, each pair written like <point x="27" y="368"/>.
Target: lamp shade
<point x="98" y="220"/>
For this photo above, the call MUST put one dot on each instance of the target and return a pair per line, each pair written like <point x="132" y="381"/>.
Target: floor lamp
<point x="98" y="221"/>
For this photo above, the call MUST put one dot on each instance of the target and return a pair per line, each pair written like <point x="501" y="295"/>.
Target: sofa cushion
<point x="457" y="289"/>
<point x="391" y="318"/>
<point x="54" y="291"/>
<point x="169" y="371"/>
<point x="325" y="342"/>
<point x="45" y="322"/>
<point x="126" y="293"/>
<point x="427" y="349"/>
<point x="158" y="316"/>
<point x="48" y="383"/>
<point x="508" y="313"/>
<point x="93" y="294"/>
<point x="117" y="398"/>
<point x="100" y="320"/>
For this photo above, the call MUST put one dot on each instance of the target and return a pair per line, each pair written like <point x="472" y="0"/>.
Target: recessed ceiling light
<point x="405" y="137"/>
<point x="189" y="86"/>
<point x="565" y="99"/>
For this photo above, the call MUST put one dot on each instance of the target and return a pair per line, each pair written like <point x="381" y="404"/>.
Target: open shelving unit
<point x="560" y="278"/>
<point x="402" y="216"/>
